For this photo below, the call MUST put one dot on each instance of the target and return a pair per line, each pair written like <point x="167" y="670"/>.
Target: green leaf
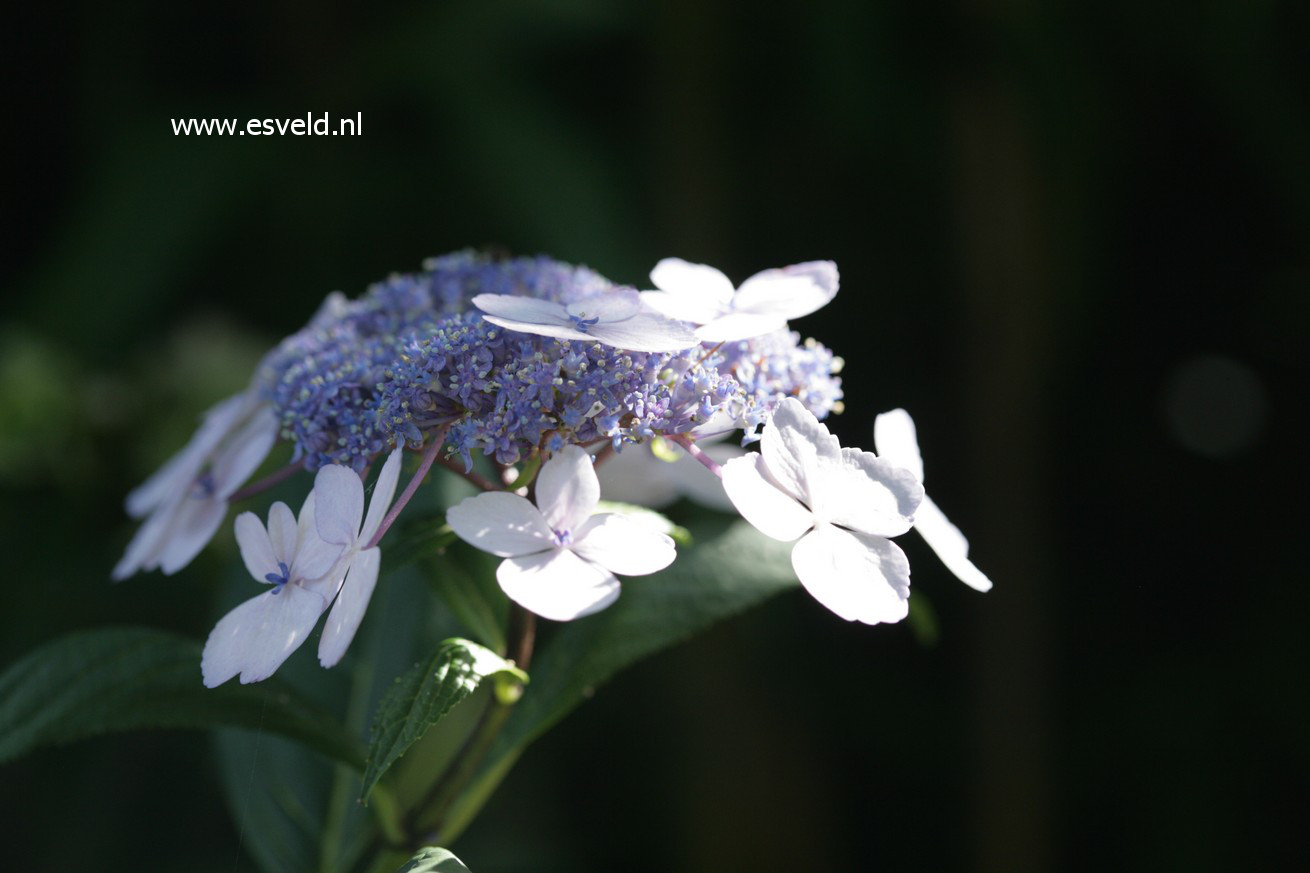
<point x="433" y="860"/>
<point x="657" y="520"/>
<point x="422" y="696"/>
<point x="730" y="568"/>
<point x="923" y="621"/>
<point x="93" y="682"/>
<point x="298" y="812"/>
<point x="465" y="580"/>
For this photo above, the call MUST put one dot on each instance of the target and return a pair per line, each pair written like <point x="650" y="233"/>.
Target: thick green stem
<point x="433" y="812"/>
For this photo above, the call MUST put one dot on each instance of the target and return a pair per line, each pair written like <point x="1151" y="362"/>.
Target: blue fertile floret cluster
<point x="412" y="354"/>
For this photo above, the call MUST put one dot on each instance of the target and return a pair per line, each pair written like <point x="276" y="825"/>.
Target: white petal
<point x="348" y="611"/>
<point x="177" y="474"/>
<point x="716" y="427"/>
<point x="193" y="526"/>
<point x="950" y="545"/>
<point x="699" y="484"/>
<point x="861" y="578"/>
<point x="615" y="305"/>
<point x="696" y="310"/>
<point x="557" y="331"/>
<point x="623" y="545"/>
<point x="557" y="584"/>
<point x="242" y="456"/>
<point x="789" y="292"/>
<point x="894" y="439"/>
<point x="794" y="445"/>
<point x="259" y="635"/>
<point x="282" y="533"/>
<point x="501" y="523"/>
<point x="256" y="546"/>
<point x="634" y="475"/>
<point x="645" y="332"/>
<point x="338" y="504"/>
<point x="735" y="326"/>
<point x="383" y="491"/>
<point x="761" y="502"/>
<point x="567" y="488"/>
<point x="530" y="310"/>
<point x="314" y="557"/>
<point x="146" y="544"/>
<point x="866" y="493"/>
<point x="698" y="281"/>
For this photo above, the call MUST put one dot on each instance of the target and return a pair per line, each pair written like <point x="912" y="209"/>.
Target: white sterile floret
<point x="255" y="638"/>
<point x="616" y="318"/>
<point x="560" y="560"/>
<point x="841" y="503"/>
<point x="895" y="439"/>
<point x="702" y="295"/>
<point x="340" y="507"/>
<point x="186" y="499"/>
<point x="659" y="472"/>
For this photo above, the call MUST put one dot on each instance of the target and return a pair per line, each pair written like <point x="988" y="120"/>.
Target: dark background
<point x="1073" y="242"/>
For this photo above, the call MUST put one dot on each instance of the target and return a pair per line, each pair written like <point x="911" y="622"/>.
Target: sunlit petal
<point x="866" y="493"/>
<point x="761" y="502"/>
<point x="861" y="578"/>
<point x="623" y="545"/>
<point x="894" y="439"/>
<point x="557" y="584"/>
<point x="788" y="292"/>
<point x="680" y="278"/>
<point x="567" y="488"/>
<point x="794" y="445"/>
<point x="500" y="523"/>
<point x="950" y="545"/>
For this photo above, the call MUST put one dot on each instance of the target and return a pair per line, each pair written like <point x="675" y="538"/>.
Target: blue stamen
<point x="279" y="580"/>
<point x="583" y="323"/>
<point x="203" y="488"/>
<point x="563" y="538"/>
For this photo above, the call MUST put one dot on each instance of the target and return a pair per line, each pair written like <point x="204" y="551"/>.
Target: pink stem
<point x="476" y="478"/>
<point x="429" y="455"/>
<point x="264" y="484"/>
<point x="604" y="454"/>
<point x="695" y="451"/>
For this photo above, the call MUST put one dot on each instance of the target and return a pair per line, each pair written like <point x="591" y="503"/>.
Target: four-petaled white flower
<point x="894" y="438"/>
<point x="560" y="560"/>
<point x="186" y="500"/>
<point x="255" y="638"/>
<point x="339" y="496"/>
<point x="702" y="295"/>
<point x="841" y="503"/>
<point x="616" y="318"/>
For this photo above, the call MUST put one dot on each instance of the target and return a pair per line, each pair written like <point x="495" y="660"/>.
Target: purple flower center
<point x="279" y="579"/>
<point x="583" y="323"/>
